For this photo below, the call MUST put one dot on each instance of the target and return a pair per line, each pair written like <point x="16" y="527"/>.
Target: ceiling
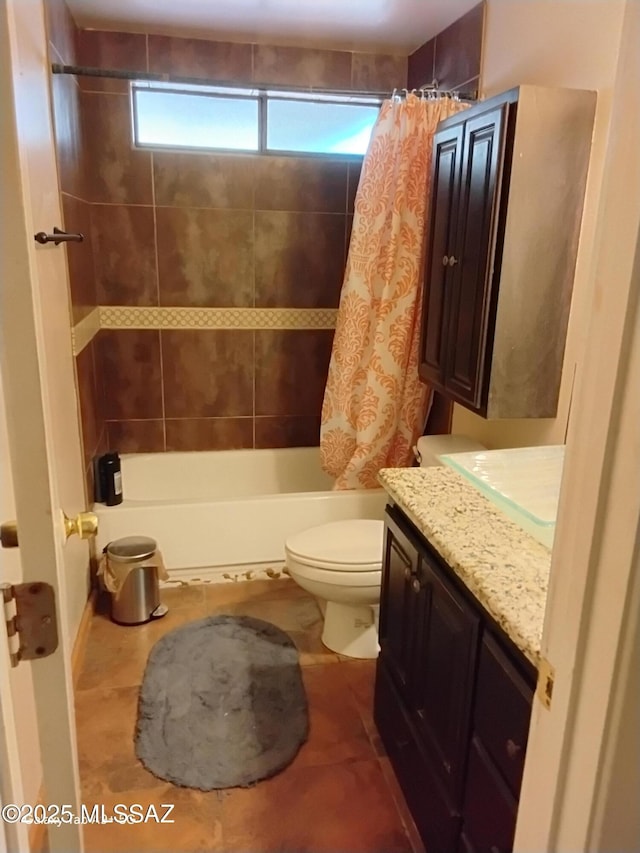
<point x="393" y="26"/>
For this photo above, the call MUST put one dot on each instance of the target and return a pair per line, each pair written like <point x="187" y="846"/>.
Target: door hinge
<point x="546" y="680"/>
<point x="30" y="617"/>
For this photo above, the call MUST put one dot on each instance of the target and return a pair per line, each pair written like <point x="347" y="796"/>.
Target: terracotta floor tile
<point x="337" y="796"/>
<point x="344" y="808"/>
<point x="299" y="616"/>
<point x="336" y="731"/>
<point x="106" y="721"/>
<point x="398" y="797"/>
<point x="222" y="594"/>
<point x="359" y="678"/>
<point x="197" y="823"/>
<point x="116" y="655"/>
<point x="182" y="595"/>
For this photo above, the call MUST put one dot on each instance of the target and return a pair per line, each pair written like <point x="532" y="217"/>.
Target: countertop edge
<point x="527" y="641"/>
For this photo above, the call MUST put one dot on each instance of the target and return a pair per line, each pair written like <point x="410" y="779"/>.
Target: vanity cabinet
<point x="508" y="183"/>
<point x="452" y="700"/>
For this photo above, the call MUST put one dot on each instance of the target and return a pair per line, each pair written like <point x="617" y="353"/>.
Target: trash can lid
<point x="131" y="548"/>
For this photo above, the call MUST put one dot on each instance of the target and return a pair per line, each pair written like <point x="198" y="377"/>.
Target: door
<point x="445" y="183"/>
<point x="38" y="379"/>
<point x="471" y="258"/>
<point x="13" y="836"/>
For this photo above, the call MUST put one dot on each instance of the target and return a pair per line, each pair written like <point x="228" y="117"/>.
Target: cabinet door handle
<point x="416" y="585"/>
<point x="445" y="260"/>
<point x="407" y="574"/>
<point x="451" y="261"/>
<point x="513" y="749"/>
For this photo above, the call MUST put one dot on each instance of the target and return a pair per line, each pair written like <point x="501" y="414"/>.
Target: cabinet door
<point x="444" y="676"/>
<point x="436" y="820"/>
<point x="398" y="604"/>
<point x="445" y="175"/>
<point x="470" y="323"/>
<point x="502" y="712"/>
<point x="489" y="807"/>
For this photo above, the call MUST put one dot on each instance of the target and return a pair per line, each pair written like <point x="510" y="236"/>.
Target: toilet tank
<point x="430" y="447"/>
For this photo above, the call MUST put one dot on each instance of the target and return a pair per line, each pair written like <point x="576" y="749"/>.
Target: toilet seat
<point x="353" y="546"/>
<point x="331" y="576"/>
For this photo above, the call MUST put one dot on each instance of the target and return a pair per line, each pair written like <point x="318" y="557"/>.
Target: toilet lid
<point x="355" y="545"/>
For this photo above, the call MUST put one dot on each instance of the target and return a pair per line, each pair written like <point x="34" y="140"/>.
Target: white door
<point x="39" y="387"/>
<point x="13" y="696"/>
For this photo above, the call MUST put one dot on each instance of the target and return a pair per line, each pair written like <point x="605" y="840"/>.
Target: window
<point x="251" y="120"/>
<point x="195" y="120"/>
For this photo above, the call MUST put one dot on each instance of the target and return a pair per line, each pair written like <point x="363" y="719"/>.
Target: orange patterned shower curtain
<point x="374" y="404"/>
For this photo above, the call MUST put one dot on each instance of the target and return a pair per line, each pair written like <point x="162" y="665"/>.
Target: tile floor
<point x="338" y="795"/>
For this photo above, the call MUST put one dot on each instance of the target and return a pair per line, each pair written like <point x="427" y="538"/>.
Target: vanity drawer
<point x="489" y="808"/>
<point x="502" y="711"/>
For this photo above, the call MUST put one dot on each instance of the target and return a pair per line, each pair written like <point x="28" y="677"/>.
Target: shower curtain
<point x="374" y="404"/>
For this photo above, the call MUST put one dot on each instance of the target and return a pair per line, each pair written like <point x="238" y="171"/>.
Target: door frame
<point x="27" y="137"/>
<point x="589" y="620"/>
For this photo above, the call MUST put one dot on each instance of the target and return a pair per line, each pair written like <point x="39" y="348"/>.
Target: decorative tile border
<point x="124" y="317"/>
<point x="85" y="331"/>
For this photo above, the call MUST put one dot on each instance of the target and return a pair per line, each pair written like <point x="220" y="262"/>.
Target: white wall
<point x="574" y="44"/>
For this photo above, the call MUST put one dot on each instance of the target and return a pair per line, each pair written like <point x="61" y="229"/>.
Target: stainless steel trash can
<point x="139" y="598"/>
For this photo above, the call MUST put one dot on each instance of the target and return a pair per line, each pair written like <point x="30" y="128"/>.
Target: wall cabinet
<point x="452" y="700"/>
<point x="508" y="183"/>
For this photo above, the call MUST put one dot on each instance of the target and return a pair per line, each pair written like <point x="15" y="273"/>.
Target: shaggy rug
<point x="222" y="704"/>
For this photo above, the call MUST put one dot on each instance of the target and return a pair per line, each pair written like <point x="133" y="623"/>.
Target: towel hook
<point x="57" y="237"/>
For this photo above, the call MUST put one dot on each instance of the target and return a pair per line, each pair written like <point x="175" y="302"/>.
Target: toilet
<point x="341" y="564"/>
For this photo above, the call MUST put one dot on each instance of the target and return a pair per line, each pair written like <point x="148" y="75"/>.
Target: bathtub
<point x="213" y="512"/>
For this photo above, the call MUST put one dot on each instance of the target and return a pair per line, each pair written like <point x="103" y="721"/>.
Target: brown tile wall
<point x="209" y="230"/>
<point x="76" y="210"/>
<point x="452" y="57"/>
<point x="195" y="229"/>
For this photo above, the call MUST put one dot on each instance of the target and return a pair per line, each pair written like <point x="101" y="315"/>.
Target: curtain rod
<point x="152" y="77"/>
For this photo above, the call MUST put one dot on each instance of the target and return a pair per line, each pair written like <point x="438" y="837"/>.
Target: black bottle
<point x="110" y="479"/>
<point x="98" y="490"/>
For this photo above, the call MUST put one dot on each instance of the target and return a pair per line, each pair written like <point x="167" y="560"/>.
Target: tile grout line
<point x="155" y="242"/>
<point x="254" y="389"/>
<point x="253" y="334"/>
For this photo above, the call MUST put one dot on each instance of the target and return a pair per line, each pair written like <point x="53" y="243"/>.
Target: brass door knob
<point x="84" y="525"/>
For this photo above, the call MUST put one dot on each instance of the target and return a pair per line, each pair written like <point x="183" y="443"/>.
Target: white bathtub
<point x="218" y="509"/>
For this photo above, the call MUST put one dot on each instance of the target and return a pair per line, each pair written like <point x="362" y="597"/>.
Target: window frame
<point x="261" y="95"/>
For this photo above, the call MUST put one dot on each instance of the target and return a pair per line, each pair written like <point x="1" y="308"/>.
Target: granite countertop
<point x="503" y="566"/>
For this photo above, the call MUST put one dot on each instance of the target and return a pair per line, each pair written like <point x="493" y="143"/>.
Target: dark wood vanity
<point x="452" y="701"/>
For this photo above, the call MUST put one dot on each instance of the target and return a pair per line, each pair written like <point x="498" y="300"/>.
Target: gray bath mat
<point x="222" y="704"/>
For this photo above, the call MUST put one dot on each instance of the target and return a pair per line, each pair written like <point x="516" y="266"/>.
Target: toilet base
<point x="351" y="630"/>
